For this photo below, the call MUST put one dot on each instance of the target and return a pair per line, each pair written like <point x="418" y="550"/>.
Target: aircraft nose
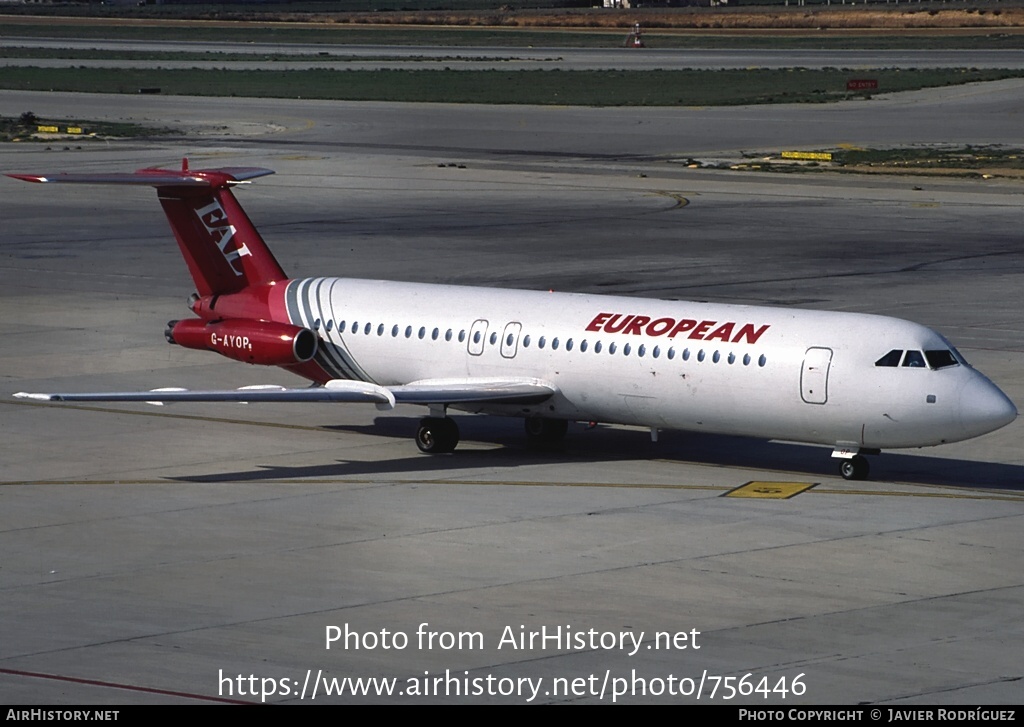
<point x="984" y="408"/>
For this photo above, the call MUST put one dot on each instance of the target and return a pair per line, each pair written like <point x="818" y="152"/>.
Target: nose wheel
<point x="437" y="435"/>
<point x="855" y="468"/>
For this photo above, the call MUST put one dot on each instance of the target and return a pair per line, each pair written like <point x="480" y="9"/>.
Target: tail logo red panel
<point x="215" y="220"/>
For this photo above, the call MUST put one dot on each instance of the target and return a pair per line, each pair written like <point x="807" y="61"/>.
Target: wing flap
<point x="514" y="390"/>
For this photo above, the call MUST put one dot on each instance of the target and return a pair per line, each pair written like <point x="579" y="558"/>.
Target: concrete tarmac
<point x="167" y="555"/>
<point x="374" y="57"/>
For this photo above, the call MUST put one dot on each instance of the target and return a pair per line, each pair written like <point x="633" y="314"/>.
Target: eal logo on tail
<point x="215" y="220"/>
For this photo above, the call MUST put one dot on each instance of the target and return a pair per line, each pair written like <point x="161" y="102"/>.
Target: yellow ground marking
<point x="770" y="490"/>
<point x="823" y="156"/>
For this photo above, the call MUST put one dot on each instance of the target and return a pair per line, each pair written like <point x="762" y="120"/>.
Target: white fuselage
<point x="798" y="375"/>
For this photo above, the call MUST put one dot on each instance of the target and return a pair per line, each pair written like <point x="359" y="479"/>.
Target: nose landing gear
<point x="855" y="468"/>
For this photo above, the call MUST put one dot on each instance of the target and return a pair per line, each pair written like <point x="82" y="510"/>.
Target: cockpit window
<point x="934" y="359"/>
<point x="940" y="359"/>
<point x="890" y="359"/>
<point x="914" y="360"/>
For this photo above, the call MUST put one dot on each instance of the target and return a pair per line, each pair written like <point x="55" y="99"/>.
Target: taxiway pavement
<point x="158" y="554"/>
<point x="373" y="57"/>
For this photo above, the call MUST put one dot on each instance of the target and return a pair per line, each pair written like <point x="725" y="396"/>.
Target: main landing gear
<point x="437" y="435"/>
<point x="440" y="434"/>
<point x="544" y="433"/>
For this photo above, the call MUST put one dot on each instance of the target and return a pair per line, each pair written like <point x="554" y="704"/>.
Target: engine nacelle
<point x="255" y="342"/>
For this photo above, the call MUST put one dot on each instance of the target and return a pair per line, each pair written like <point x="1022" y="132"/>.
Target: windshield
<point x="940" y="359"/>
<point x="933" y="359"/>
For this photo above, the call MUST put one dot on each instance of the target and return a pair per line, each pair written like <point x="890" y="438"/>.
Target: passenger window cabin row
<point x="527" y="341"/>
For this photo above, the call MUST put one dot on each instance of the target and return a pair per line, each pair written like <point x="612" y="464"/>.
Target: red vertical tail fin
<point x="222" y="248"/>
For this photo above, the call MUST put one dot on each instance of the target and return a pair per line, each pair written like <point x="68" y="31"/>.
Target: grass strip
<point x="28" y="127"/>
<point x="969" y="161"/>
<point x="970" y="157"/>
<point x="554" y="87"/>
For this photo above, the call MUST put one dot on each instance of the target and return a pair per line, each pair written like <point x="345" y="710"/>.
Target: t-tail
<point x="224" y="252"/>
<point x="241" y="308"/>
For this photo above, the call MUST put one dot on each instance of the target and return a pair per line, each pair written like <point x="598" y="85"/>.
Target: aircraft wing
<point x="428" y="391"/>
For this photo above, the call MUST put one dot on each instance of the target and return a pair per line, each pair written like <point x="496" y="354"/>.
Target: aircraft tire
<point x="855" y="468"/>
<point x="545" y="433"/>
<point x="437" y="435"/>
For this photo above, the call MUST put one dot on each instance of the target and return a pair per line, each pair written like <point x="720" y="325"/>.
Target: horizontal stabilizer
<point x="155" y="177"/>
<point x="222" y="249"/>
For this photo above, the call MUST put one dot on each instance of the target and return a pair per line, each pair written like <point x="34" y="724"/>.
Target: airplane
<point x="858" y="383"/>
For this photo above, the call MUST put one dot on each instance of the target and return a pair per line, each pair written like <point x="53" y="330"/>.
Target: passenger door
<point x="477" y="337"/>
<point x="510" y="339"/>
<point x="814" y="375"/>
